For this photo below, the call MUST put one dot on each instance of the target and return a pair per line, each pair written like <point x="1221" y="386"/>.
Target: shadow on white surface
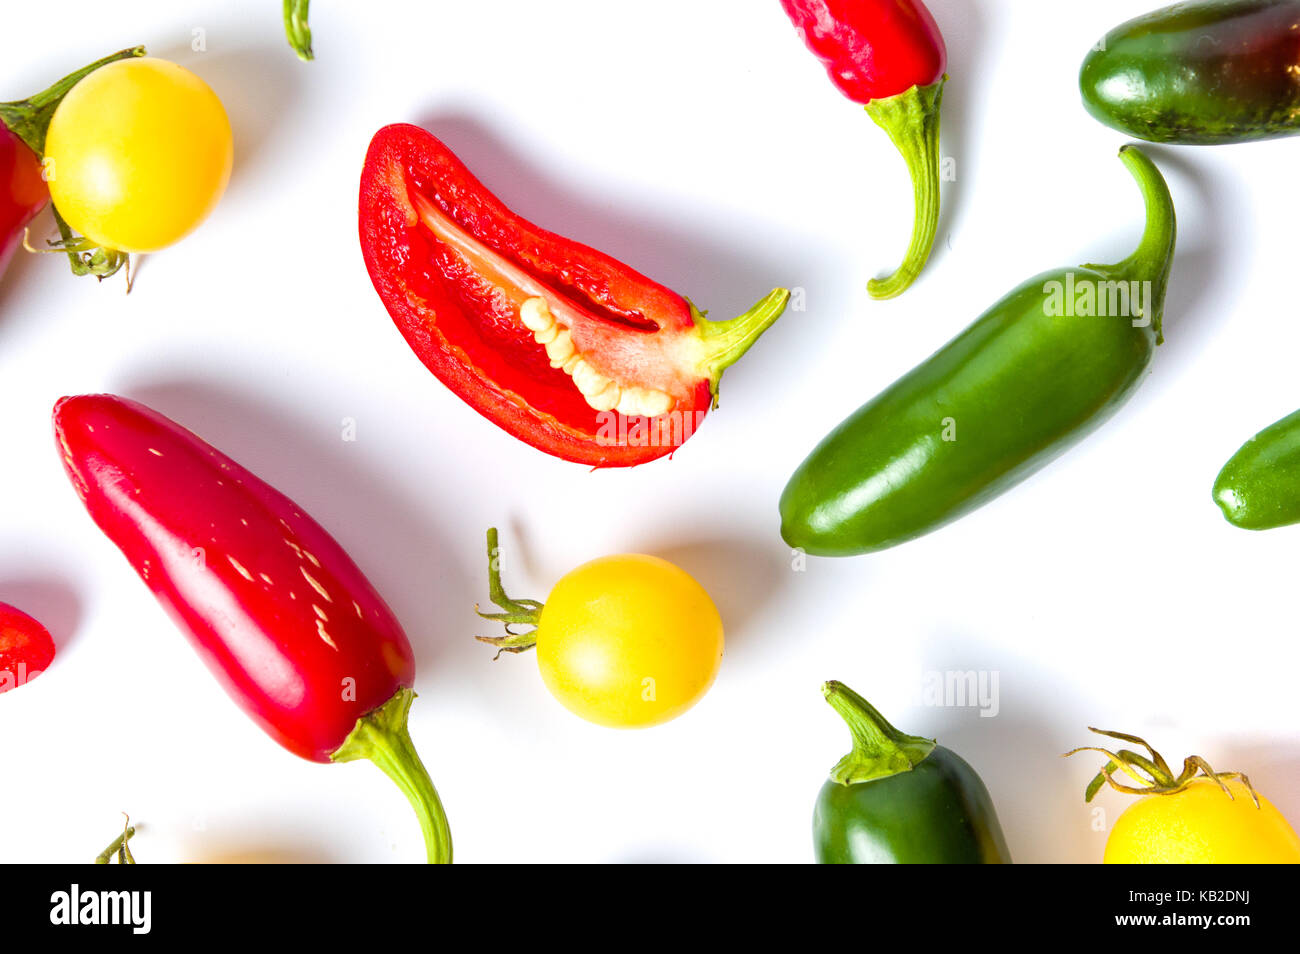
<point x="963" y="30"/>
<point x="741" y="574"/>
<point x="707" y="263"/>
<point x="392" y="539"/>
<point x="50" y="601"/>
<point x="1202" y="259"/>
<point x="260" y="84"/>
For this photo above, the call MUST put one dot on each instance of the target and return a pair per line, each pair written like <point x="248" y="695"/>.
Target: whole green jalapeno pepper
<point x="1259" y="488"/>
<point x="901" y="799"/>
<point x="1215" y="71"/>
<point x="1032" y="375"/>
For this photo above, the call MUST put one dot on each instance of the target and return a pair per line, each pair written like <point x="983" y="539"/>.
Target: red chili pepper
<point x="26" y="649"/>
<point x="23" y="192"/>
<point x="558" y="344"/>
<point x="889" y="56"/>
<point x="274" y="606"/>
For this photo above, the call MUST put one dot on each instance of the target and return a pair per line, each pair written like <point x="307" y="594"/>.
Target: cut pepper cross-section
<point x="556" y="343"/>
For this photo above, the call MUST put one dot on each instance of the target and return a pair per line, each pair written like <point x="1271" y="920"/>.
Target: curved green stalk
<point x="296" y="29"/>
<point x="382" y="737"/>
<point x="1154" y="257"/>
<point x="726" y="341"/>
<point x="912" y="121"/>
<point x="879" y="750"/>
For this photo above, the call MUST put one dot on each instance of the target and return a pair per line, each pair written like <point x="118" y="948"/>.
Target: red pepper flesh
<point x="455" y="267"/>
<point x="284" y="619"/>
<point x="26" y="649"/>
<point x="23" y="192"/>
<point x="889" y="56"/>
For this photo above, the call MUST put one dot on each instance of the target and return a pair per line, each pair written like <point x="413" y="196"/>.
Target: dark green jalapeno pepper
<point x="1032" y="375"/>
<point x="1259" y="488"/>
<point x="901" y="799"/>
<point x="1216" y="71"/>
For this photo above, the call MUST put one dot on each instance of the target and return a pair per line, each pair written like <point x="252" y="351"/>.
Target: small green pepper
<point x="1032" y="375"/>
<point x="1215" y="71"/>
<point x="1259" y="488"/>
<point x="901" y="799"/>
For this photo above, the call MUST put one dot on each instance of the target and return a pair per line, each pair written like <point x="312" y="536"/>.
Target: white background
<point x="699" y="142"/>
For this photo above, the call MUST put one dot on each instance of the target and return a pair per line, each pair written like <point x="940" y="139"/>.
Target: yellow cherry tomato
<point x="138" y="154"/>
<point x="629" y="641"/>
<point x="1202" y="825"/>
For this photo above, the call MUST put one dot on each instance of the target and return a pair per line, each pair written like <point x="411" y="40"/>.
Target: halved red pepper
<point x="277" y="610"/>
<point x="558" y="344"/>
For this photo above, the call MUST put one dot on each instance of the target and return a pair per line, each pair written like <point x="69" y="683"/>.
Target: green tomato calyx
<point x="514" y="612"/>
<point x="879" y="750"/>
<point x="1150" y="773"/>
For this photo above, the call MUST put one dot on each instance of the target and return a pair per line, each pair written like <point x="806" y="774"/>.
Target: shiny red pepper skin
<point x="26" y="649"/>
<point x="463" y="321"/>
<point x="872" y="49"/>
<point x="22" y="192"/>
<point x="277" y="610"/>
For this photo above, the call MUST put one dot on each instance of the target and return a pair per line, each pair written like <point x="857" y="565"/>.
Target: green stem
<point x="514" y="612"/>
<point x="29" y="119"/>
<point x="382" y="737"/>
<point x="1154" y="257"/>
<point x="118" y="847"/>
<point x="296" y="28"/>
<point x="726" y="341"/>
<point x="912" y="121"/>
<point x="879" y="750"/>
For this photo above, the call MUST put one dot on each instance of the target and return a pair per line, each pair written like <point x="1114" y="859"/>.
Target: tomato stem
<point x="1151" y="772"/>
<point x="879" y="750"/>
<point x="29" y="119"/>
<point x="912" y="121"/>
<point x="119" y="847"/>
<point x="516" y="612"/>
<point x="382" y="737"/>
<point x="85" y="257"/>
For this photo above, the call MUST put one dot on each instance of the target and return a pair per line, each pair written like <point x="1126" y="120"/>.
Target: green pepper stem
<point x="726" y="341"/>
<point x="1154" y="257"/>
<point x="514" y="612"/>
<point x="296" y="29"/>
<point x="912" y="121"/>
<point x="382" y="737"/>
<point x="29" y="119"/>
<point x="879" y="750"/>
